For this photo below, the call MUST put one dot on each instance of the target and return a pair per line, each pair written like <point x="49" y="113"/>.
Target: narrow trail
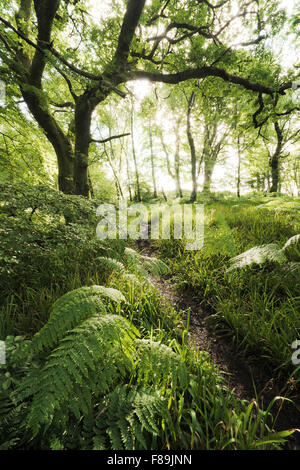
<point x="249" y="381"/>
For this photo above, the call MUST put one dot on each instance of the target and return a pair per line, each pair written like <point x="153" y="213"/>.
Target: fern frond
<point x="258" y="255"/>
<point x="69" y="311"/>
<point x="132" y="279"/>
<point x="110" y="264"/>
<point x="85" y="358"/>
<point x="12" y="419"/>
<point x="278" y="204"/>
<point x="131" y="417"/>
<point x="130" y="253"/>
<point x="292" y="248"/>
<point x="292" y="268"/>
<point x="159" y="364"/>
<point x="154" y="265"/>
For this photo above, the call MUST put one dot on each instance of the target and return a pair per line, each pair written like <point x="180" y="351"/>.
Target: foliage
<point x="96" y="357"/>
<point x="48" y="246"/>
<point x="258" y="255"/>
<point x="96" y="386"/>
<point x="292" y="248"/>
<point x="253" y="297"/>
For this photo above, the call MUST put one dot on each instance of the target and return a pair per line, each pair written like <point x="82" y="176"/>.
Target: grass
<point x="259" y="308"/>
<point x="259" y="305"/>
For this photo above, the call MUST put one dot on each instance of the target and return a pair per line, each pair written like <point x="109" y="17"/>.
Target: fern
<point x="101" y="387"/>
<point x="69" y="311"/>
<point x="12" y="422"/>
<point x="258" y="255"/>
<point x="12" y="416"/>
<point x="278" y="204"/>
<point x="269" y="253"/>
<point x="292" y="248"/>
<point x="292" y="268"/>
<point x="131" y="417"/>
<point x="110" y="264"/>
<point x="154" y="265"/>
<point x="132" y="279"/>
<point x="163" y="364"/>
<point x="73" y="369"/>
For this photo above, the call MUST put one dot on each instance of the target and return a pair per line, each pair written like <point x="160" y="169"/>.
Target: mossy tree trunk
<point x="274" y="160"/>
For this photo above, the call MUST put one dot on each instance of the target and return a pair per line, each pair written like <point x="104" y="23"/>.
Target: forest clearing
<point x="150" y="226"/>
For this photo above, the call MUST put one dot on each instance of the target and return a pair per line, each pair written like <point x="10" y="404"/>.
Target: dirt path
<point x="247" y="380"/>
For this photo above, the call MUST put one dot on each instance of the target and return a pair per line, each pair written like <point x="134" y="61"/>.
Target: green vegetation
<point x="110" y="366"/>
<point x="151" y="104"/>
<point x="253" y="296"/>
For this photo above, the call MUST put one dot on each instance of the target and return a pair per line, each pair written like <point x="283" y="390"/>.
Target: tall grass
<point x="259" y="305"/>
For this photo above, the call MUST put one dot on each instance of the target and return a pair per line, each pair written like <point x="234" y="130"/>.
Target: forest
<point x="150" y="225"/>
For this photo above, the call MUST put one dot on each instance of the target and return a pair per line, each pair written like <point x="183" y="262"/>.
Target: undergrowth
<point x="247" y="275"/>
<point x="95" y="358"/>
<point x="89" y="380"/>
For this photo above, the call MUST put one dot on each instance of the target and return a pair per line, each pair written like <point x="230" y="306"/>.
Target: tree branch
<point x="56" y="54"/>
<point x="202" y="72"/>
<point x="45" y="13"/>
<point x="130" y="23"/>
<point x="103" y="141"/>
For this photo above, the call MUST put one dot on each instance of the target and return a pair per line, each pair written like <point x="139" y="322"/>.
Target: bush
<point x="48" y="246"/>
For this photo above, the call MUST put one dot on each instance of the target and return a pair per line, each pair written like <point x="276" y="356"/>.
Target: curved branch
<point x="202" y="72"/>
<point x="103" y="141"/>
<point x="54" y="52"/>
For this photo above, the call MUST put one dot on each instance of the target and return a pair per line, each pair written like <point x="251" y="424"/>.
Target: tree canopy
<point x="63" y="59"/>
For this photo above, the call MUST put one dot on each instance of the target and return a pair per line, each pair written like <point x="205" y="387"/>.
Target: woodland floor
<point x="248" y="380"/>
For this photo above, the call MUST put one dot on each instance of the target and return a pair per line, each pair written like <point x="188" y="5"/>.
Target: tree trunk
<point x="274" y="160"/>
<point x="268" y="181"/>
<point x="128" y="177"/>
<point x="211" y="150"/>
<point x="192" y="148"/>
<point x="177" y="162"/>
<point x="208" y="170"/>
<point x="91" y="186"/>
<point x="59" y="141"/>
<point x="83" y="117"/>
<point x="296" y="174"/>
<point x="238" y="183"/>
<point x="30" y="82"/>
<point x="111" y="160"/>
<point x="152" y="160"/>
<point x="238" y="188"/>
<point x="275" y="175"/>
<point x="137" y="195"/>
<point x="166" y="152"/>
<point x="116" y="177"/>
<point x="164" y="195"/>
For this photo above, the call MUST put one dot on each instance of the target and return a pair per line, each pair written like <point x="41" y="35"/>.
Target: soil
<point x="245" y="377"/>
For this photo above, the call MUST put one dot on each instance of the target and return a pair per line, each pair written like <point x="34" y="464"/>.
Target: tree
<point x="194" y="41"/>
<point x="147" y="115"/>
<point x="137" y="195"/>
<point x="175" y="113"/>
<point x="112" y="120"/>
<point x="191" y="102"/>
<point x="24" y="152"/>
